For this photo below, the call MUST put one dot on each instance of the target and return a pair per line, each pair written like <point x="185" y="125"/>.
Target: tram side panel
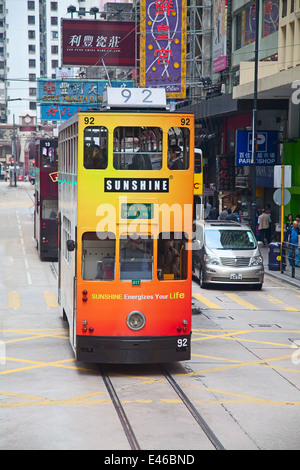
<point x="67" y="253"/>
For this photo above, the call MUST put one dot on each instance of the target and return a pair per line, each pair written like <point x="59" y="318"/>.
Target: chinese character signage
<point x="220" y="35"/>
<point x="267" y="148"/>
<point x="86" y="42"/>
<point x="271" y="17"/>
<point x="61" y="99"/>
<point x="225" y="172"/>
<point x="163" y="46"/>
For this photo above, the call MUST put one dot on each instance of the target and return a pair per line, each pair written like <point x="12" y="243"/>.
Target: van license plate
<point x="236" y="276"/>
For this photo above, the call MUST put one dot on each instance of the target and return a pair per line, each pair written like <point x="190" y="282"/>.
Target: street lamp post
<point x="254" y="122"/>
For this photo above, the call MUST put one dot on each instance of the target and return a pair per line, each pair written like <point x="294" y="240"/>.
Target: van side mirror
<point x="196" y="245"/>
<point x="71" y="245"/>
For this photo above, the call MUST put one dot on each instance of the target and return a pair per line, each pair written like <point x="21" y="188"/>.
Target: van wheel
<point x="203" y="284"/>
<point x="257" y="286"/>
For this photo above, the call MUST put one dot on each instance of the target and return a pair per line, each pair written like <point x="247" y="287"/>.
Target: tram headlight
<point x="136" y="320"/>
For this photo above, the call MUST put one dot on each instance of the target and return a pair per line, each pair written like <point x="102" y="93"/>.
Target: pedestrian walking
<point x="263" y="226"/>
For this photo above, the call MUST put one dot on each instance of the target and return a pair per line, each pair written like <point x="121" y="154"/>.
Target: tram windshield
<point x="98" y="256"/>
<point x="136" y="258"/>
<point x="171" y="256"/>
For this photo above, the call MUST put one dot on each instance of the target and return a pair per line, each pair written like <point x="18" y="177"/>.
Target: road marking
<point x="14" y="300"/>
<point x="275" y="301"/>
<point x="206" y="302"/>
<point x="239" y="300"/>
<point x="51" y="300"/>
<point x="29" y="280"/>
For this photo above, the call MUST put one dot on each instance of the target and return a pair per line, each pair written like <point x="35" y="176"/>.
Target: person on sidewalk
<point x="293" y="237"/>
<point x="263" y="226"/>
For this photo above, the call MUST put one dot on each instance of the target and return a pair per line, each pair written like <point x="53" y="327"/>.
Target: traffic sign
<point x="286" y="197"/>
<point x="278" y="176"/>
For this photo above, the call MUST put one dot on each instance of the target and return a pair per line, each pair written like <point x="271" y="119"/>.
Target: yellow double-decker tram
<point x="126" y="176"/>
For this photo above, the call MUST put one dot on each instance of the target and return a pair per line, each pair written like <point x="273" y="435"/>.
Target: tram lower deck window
<point x="136" y="258"/>
<point x="98" y="257"/>
<point x="172" y="257"/>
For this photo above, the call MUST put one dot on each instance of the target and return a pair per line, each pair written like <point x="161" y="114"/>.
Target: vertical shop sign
<point x="225" y="172"/>
<point x="163" y="46"/>
<point x="220" y="36"/>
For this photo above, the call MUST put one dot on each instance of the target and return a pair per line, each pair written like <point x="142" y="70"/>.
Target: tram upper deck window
<point x="138" y="148"/>
<point x="178" y="148"/>
<point x="136" y="258"/>
<point x="98" y="256"/>
<point x="95" y="148"/>
<point x="49" y="156"/>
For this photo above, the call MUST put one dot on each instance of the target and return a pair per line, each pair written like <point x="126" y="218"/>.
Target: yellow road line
<point x="275" y="301"/>
<point x="14" y="300"/>
<point x="206" y="302"/>
<point x="50" y="299"/>
<point x="239" y="300"/>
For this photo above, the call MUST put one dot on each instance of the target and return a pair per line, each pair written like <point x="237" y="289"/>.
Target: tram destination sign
<point x="136" y="210"/>
<point x="136" y="185"/>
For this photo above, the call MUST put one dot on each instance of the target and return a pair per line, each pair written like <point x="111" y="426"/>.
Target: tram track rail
<point x="194" y="412"/>
<point x="125" y="422"/>
<point x="134" y="445"/>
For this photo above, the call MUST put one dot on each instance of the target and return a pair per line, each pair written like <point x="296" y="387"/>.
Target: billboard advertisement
<point x="61" y="99"/>
<point x="163" y="46"/>
<point x="220" y="36"/>
<point x="86" y="42"/>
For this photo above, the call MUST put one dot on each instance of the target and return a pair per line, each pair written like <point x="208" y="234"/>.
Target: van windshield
<point x="230" y="239"/>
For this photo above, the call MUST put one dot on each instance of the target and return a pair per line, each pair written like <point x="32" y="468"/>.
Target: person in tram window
<point x="175" y="161"/>
<point x="137" y="162"/>
<point x="97" y="158"/>
<point x="168" y="259"/>
<point x="134" y="257"/>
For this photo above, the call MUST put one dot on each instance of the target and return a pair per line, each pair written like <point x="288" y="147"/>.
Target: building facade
<point x="30" y="48"/>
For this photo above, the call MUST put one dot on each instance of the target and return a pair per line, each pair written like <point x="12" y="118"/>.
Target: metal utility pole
<point x="14" y="151"/>
<point x="254" y="122"/>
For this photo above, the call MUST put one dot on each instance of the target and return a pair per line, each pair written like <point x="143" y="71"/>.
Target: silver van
<point x="226" y="252"/>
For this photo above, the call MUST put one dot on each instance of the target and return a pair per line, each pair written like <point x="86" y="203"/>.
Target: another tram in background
<point x="46" y="194"/>
<point x="126" y="230"/>
<point x="198" y="184"/>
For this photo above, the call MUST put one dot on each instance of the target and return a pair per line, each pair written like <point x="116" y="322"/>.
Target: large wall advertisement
<point x="163" y="46"/>
<point x="220" y="36"/>
<point x="87" y="42"/>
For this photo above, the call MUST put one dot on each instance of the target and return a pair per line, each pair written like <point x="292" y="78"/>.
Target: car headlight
<point x="256" y="261"/>
<point x="211" y="259"/>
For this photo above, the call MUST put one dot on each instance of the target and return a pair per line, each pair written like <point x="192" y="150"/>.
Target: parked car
<point x="226" y="252"/>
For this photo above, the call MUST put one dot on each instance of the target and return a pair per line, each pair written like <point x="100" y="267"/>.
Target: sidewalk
<point x="286" y="276"/>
